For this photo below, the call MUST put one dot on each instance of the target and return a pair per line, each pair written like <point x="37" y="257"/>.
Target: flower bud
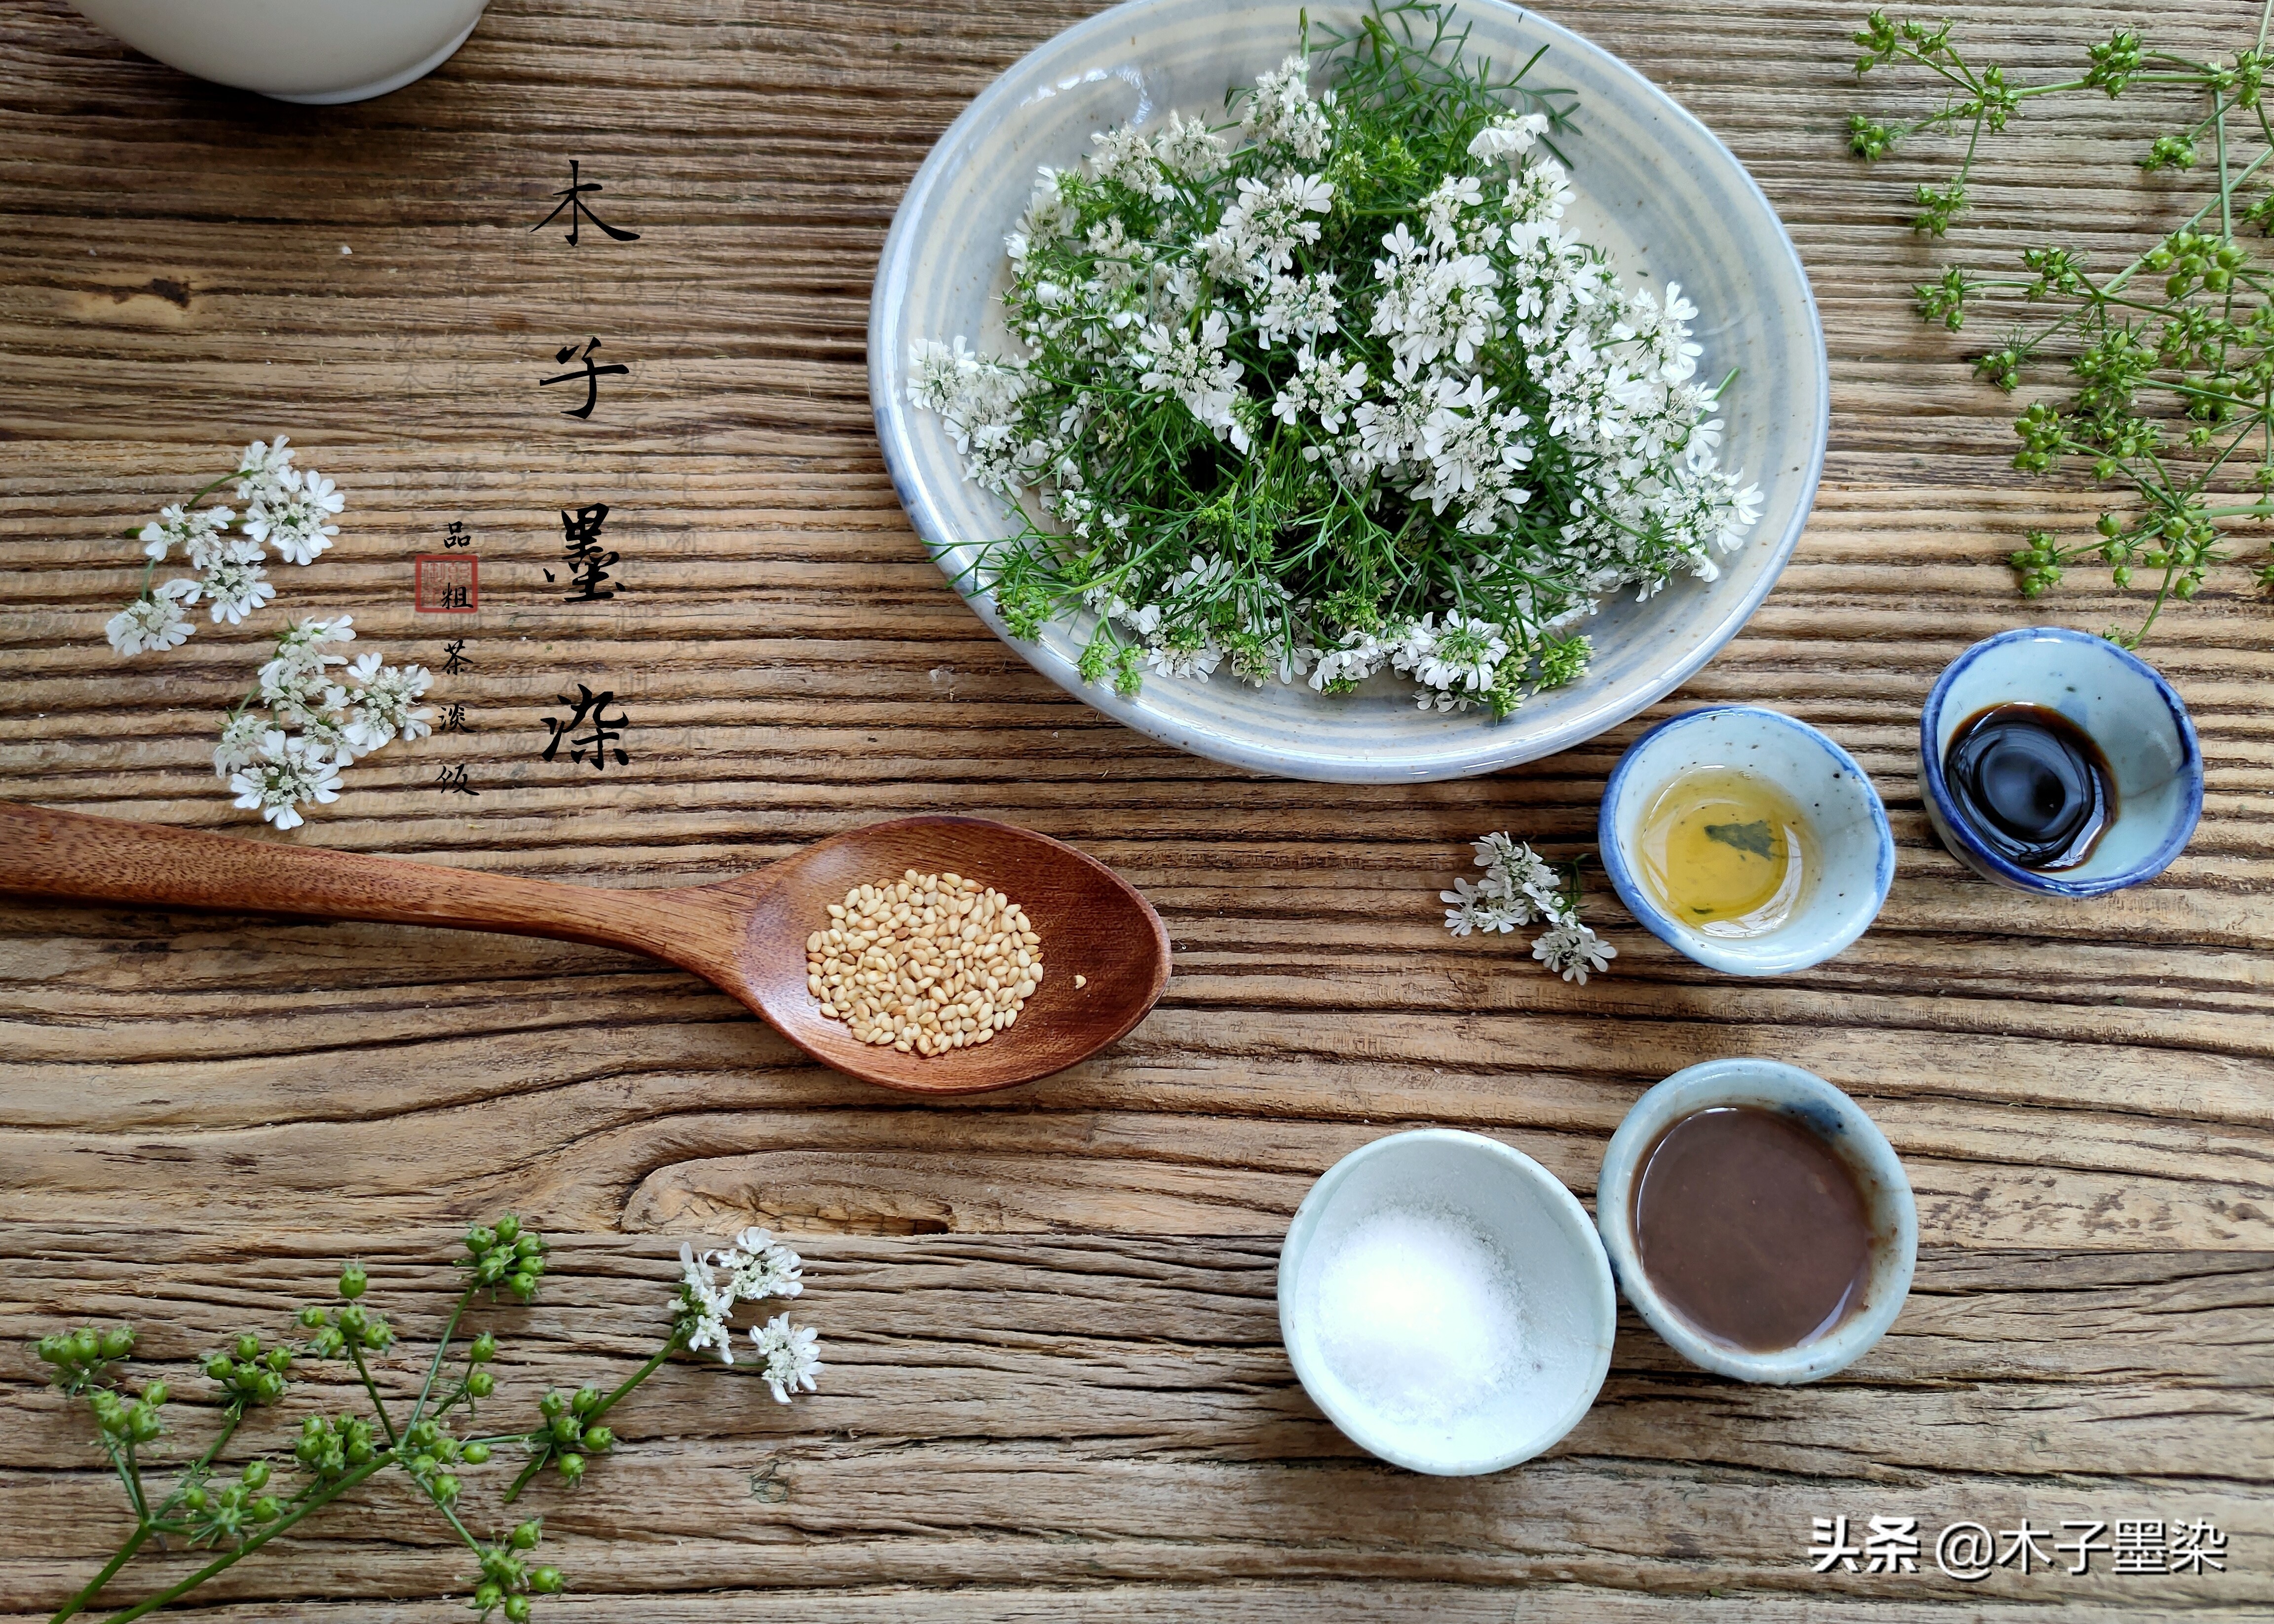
<point x="481" y="1384"/>
<point x="525" y="1535"/>
<point x="477" y="1454"/>
<point x="599" y="1440"/>
<point x="546" y="1580"/>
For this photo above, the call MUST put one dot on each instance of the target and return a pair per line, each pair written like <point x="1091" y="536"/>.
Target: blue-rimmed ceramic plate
<point x="1655" y="188"/>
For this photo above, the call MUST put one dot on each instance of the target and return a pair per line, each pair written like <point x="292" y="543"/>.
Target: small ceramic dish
<point x="1770" y="1084"/>
<point x="1565" y="1309"/>
<point x="1655" y="189"/>
<point x="2122" y="703"/>
<point x="1855" y="848"/>
<point x="319" y="51"/>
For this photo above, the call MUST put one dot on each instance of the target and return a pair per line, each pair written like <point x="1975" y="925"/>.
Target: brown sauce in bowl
<point x="1752" y="1229"/>
<point x="2033" y="785"/>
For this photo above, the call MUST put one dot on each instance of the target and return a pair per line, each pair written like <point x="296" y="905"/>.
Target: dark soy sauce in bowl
<point x="1752" y="1229"/>
<point x="2031" y="784"/>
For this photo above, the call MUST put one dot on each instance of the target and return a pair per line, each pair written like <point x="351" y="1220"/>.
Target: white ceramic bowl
<point x="296" y="50"/>
<point x="2122" y="703"/>
<point x="1835" y="1118"/>
<point x="1856" y="847"/>
<point x="1568" y="1312"/>
<point x="1655" y="187"/>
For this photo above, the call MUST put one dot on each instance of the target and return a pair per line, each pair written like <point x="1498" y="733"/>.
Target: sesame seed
<point x="924" y="964"/>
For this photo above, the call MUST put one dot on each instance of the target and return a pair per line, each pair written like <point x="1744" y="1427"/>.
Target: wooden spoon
<point x="746" y="934"/>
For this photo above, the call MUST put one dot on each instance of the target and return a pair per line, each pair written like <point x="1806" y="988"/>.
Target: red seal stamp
<point x="446" y="584"/>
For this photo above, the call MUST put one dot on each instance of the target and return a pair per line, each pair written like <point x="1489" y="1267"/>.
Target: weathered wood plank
<point x="197" y="1115"/>
<point x="1119" y="1408"/>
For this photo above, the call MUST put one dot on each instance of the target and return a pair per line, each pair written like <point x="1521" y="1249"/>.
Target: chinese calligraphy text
<point x="588" y="564"/>
<point x="589" y="709"/>
<point x="592" y="375"/>
<point x="572" y="199"/>
<point x="446" y="585"/>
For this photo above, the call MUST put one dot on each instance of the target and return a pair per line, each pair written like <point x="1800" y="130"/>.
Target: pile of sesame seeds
<point x="926" y="963"/>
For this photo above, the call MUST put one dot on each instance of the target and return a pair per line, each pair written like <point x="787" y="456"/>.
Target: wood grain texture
<point x="748" y="935"/>
<point x="1055" y="1388"/>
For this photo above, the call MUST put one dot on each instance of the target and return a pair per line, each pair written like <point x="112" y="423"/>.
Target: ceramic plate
<point x="1654" y="187"/>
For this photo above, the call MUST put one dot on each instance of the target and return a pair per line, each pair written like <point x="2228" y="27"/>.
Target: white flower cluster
<point x="1425" y="361"/>
<point x="1520" y="887"/>
<point x="312" y="713"/>
<point x="311" y="725"/>
<point x="287" y="508"/>
<point x="754" y="1267"/>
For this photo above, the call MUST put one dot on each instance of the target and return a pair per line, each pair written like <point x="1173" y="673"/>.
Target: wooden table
<point x="1056" y="1386"/>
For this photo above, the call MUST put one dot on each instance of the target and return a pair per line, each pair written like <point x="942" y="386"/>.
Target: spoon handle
<point x="50" y="854"/>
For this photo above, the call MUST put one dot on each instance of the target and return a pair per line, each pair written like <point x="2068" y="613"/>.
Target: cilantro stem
<point x="313" y="1503"/>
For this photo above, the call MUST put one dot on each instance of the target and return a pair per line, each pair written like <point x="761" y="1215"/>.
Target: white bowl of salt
<point x="1447" y="1302"/>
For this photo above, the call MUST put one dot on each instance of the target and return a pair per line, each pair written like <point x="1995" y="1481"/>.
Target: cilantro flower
<point x="384" y="698"/>
<point x="235" y="583"/>
<point x="1270" y="406"/>
<point x="153" y="622"/>
<point x="293" y="514"/>
<point x="793" y="1359"/>
<point x="1520" y="887"/>
<point x="287" y="775"/>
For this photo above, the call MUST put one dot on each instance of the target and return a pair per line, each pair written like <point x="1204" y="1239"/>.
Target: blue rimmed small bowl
<point x="1816" y="1105"/>
<point x="1855" y="848"/>
<point x="2122" y="702"/>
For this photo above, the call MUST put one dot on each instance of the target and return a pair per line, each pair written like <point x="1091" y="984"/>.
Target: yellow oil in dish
<point x="1727" y="854"/>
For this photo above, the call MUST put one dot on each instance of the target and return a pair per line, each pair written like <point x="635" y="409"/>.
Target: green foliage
<point x="331" y="1454"/>
<point x="2169" y="359"/>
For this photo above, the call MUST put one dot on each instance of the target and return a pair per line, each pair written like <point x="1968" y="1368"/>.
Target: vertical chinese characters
<point x="590" y="708"/>
<point x="572" y="199"/>
<point x="588" y="564"/>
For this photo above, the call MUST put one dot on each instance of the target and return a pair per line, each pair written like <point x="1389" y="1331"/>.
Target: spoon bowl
<point x="1092" y="924"/>
<point x="746" y="936"/>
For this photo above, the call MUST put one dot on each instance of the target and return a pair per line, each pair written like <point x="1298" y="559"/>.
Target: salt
<point x="1417" y="1315"/>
